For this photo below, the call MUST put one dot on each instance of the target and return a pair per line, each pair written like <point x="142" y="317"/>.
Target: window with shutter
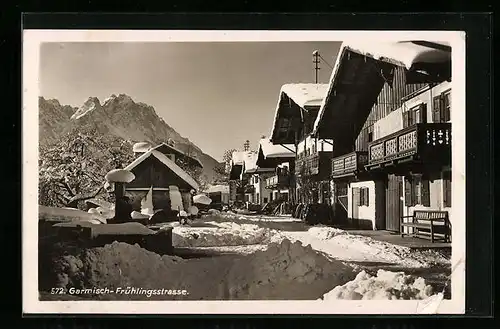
<point x="447" y="188"/>
<point x="446" y="106"/>
<point x="422" y="113"/>
<point x="425" y="193"/>
<point x="361" y="197"/>
<point x="417" y="190"/>
<point x="436" y="109"/>
<point x="367" y="200"/>
<point x="408" y="192"/>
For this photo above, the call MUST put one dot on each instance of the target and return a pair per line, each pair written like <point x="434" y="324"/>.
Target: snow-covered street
<point x="389" y="264"/>
<point x="233" y="256"/>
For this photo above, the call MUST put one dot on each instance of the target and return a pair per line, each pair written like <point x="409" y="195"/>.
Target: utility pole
<point x="316" y="57"/>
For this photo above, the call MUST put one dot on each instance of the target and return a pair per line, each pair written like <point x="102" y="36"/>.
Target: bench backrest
<point x="430" y="214"/>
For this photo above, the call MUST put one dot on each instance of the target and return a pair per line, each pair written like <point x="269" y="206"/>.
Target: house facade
<point x="159" y="182"/>
<point x="255" y="178"/>
<point x="281" y="158"/>
<point x="296" y="112"/>
<point x="389" y="119"/>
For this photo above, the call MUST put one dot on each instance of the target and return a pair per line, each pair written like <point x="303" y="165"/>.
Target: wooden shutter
<point x="367" y="198"/>
<point x="406" y="118"/>
<point x="361" y="197"/>
<point x="425" y="192"/>
<point x="408" y="192"/>
<point x="446" y="107"/>
<point x="436" y="109"/>
<point x="423" y="113"/>
<point x="447" y="188"/>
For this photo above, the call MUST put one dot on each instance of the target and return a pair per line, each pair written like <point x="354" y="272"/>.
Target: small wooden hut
<point x="156" y="175"/>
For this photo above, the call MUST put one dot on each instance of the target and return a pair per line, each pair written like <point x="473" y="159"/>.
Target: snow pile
<point x="341" y="245"/>
<point x="223" y="234"/>
<point x="385" y="285"/>
<point x="284" y="271"/>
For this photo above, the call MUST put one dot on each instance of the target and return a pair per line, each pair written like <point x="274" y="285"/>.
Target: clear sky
<point x="216" y="94"/>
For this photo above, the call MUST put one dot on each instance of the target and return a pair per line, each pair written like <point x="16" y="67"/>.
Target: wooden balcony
<point x="424" y="143"/>
<point x="314" y="165"/>
<point x="277" y="181"/>
<point x="249" y="189"/>
<point x="349" y="164"/>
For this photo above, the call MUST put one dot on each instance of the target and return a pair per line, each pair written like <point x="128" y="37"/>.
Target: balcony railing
<point x="349" y="163"/>
<point x="281" y="180"/>
<point x="427" y="142"/>
<point x="315" y="164"/>
<point x="249" y="189"/>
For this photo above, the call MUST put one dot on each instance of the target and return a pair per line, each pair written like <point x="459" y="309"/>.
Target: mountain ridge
<point x="118" y="115"/>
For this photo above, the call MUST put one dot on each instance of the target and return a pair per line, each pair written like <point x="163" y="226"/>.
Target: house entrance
<point x="394" y="203"/>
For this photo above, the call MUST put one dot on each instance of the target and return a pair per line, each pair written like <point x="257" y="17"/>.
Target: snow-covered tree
<point x="72" y="170"/>
<point x="222" y="168"/>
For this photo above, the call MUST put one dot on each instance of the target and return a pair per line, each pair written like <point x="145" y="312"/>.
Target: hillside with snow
<point x="118" y="115"/>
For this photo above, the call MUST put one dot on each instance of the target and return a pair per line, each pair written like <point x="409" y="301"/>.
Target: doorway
<point x="394" y="203"/>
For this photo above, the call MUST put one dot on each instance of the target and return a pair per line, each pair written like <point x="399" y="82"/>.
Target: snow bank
<point x="341" y="245"/>
<point x="385" y="285"/>
<point x="223" y="234"/>
<point x="284" y="271"/>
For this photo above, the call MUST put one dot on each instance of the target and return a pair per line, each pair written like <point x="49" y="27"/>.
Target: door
<point x="355" y="206"/>
<point x="394" y="203"/>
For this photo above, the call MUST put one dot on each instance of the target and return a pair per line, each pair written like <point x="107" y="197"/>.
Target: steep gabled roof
<point x="250" y="164"/>
<point x="410" y="55"/>
<point x="168" y="163"/>
<point x="302" y="95"/>
<point x="178" y="152"/>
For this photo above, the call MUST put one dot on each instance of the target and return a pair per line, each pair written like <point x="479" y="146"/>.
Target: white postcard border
<point x="30" y="71"/>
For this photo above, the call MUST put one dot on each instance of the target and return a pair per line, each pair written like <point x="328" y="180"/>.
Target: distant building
<point x="282" y="159"/>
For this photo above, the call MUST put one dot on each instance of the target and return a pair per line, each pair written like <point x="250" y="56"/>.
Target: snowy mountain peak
<point x="90" y="105"/>
<point x="109" y="100"/>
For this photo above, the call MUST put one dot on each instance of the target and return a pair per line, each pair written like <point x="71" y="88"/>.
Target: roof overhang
<point x="359" y="74"/>
<point x="293" y="99"/>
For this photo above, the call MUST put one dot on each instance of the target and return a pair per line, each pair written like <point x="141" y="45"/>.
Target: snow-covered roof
<point x="167" y="162"/>
<point x="250" y="162"/>
<point x="302" y="94"/>
<point x="269" y="150"/>
<point x="217" y="188"/>
<point x="178" y="151"/>
<point x="250" y="165"/>
<point x="305" y="94"/>
<point x="238" y="157"/>
<point x="401" y="53"/>
<point x="404" y="53"/>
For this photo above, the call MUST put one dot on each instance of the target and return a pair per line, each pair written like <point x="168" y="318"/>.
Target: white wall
<point x="394" y="120"/>
<point x="321" y="146"/>
<point x="364" y="212"/>
<point x="260" y="188"/>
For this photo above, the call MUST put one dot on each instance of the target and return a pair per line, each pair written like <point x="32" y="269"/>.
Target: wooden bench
<point x="428" y="224"/>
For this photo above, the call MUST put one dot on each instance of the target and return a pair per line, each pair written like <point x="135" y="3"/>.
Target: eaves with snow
<point x="422" y="61"/>
<point x="166" y="162"/>
<point x="294" y="98"/>
<point x="270" y="155"/>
